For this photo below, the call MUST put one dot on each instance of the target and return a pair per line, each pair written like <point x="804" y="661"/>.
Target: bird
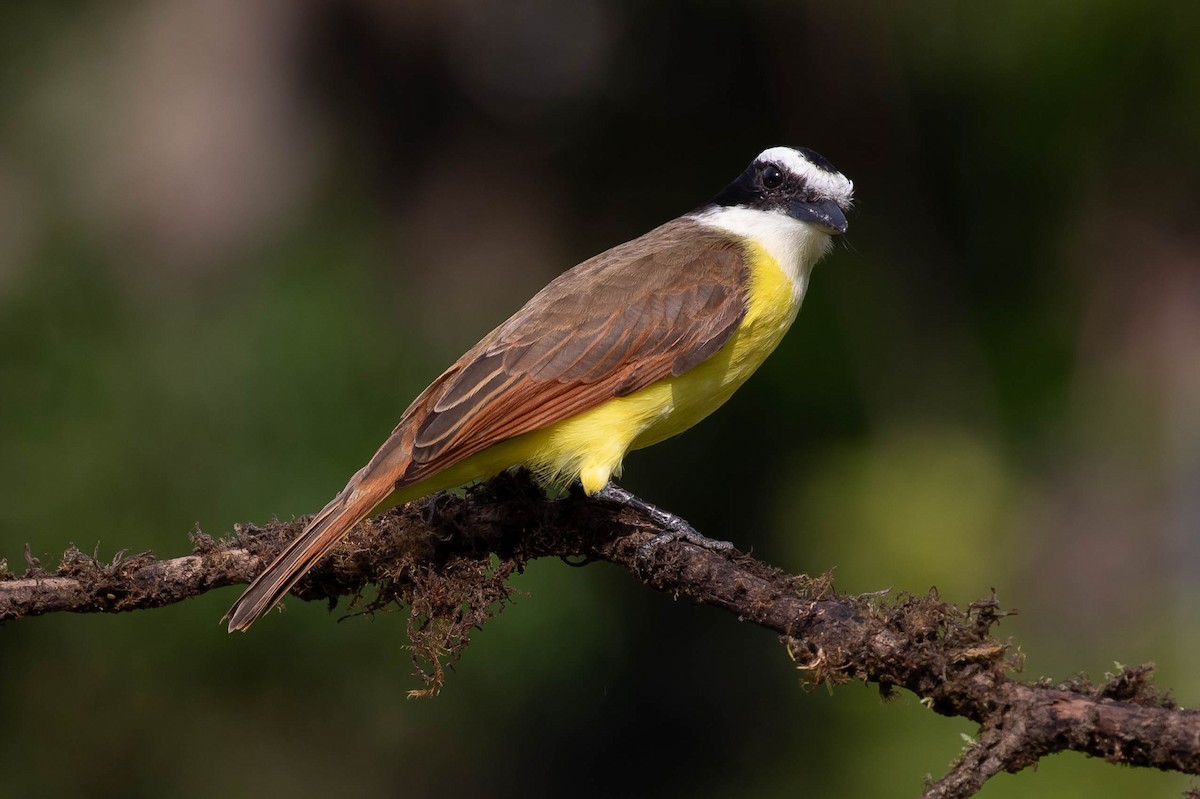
<point x="622" y="351"/>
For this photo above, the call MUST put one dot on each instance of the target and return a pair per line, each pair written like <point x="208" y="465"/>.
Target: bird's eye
<point x="772" y="178"/>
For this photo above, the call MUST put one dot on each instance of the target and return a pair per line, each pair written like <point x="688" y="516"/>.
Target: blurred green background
<point x="237" y="238"/>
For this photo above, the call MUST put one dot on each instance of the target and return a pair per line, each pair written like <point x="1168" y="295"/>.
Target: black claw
<point x="646" y="551"/>
<point x="430" y="508"/>
<point x="677" y="529"/>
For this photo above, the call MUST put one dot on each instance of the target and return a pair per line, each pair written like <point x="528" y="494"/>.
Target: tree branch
<point x="435" y="556"/>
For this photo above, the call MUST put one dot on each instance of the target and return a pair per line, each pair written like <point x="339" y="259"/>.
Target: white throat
<point x="796" y="246"/>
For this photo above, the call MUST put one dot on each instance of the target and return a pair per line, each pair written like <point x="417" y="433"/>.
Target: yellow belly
<point x="591" y="446"/>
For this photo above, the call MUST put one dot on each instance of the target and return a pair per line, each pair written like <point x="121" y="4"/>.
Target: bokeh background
<point x="236" y="238"/>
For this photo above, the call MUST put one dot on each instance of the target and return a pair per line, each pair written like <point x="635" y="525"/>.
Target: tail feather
<point x="325" y="530"/>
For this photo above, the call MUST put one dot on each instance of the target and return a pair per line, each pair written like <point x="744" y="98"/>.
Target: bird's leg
<point x="431" y="504"/>
<point x="677" y="529"/>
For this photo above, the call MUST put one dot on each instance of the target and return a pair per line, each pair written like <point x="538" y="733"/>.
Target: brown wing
<point x="653" y="307"/>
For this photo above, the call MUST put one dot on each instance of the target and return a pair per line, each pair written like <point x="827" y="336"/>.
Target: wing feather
<point x="614" y="324"/>
<point x="609" y="327"/>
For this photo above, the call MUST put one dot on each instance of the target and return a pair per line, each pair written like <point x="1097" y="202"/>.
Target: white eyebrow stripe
<point x="832" y="185"/>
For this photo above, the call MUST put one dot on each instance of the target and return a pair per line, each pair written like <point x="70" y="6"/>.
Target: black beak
<point x="824" y="214"/>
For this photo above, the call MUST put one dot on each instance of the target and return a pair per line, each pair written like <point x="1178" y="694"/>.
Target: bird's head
<point x="794" y="181"/>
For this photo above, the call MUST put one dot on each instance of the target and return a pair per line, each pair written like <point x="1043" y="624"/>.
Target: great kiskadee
<point x="624" y="350"/>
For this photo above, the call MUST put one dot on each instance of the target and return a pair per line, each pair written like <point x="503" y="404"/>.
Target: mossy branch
<point x="447" y="558"/>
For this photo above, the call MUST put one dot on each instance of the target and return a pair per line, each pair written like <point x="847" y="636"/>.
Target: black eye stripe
<point x="769" y="183"/>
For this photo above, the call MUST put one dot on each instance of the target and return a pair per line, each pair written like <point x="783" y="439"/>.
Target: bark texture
<point x="436" y="556"/>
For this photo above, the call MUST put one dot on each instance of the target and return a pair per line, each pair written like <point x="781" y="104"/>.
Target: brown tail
<point x="325" y="530"/>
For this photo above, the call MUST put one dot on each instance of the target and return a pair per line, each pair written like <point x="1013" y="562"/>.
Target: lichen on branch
<point x="447" y="561"/>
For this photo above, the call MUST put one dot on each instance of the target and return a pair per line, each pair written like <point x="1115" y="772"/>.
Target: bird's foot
<point x="430" y="509"/>
<point x="676" y="528"/>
